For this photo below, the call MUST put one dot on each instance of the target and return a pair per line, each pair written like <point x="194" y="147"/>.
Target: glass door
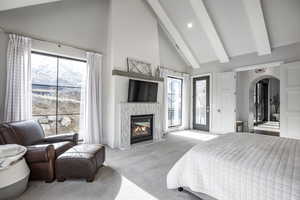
<point x="201" y="107"/>
<point x="174" y="102"/>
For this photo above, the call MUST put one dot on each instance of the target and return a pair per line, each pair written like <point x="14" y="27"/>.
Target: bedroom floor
<point x="138" y="173"/>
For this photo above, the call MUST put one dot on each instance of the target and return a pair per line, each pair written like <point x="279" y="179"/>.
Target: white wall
<point x="76" y="22"/>
<point x="169" y="57"/>
<point x="117" y="28"/>
<point x="133" y="32"/>
<point x="81" y="23"/>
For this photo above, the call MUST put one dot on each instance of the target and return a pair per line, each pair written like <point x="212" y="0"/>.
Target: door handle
<point x="219" y="110"/>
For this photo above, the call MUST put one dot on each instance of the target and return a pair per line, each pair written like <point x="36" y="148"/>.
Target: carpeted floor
<point x="135" y="174"/>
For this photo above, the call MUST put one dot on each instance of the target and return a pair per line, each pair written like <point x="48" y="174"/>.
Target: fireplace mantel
<point x="136" y="75"/>
<point x="129" y="109"/>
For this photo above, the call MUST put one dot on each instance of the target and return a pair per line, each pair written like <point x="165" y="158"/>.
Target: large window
<point x="56" y="92"/>
<point x="174" y="102"/>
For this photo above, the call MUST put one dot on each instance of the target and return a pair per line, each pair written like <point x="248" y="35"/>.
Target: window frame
<point x="57" y="86"/>
<point x="181" y="104"/>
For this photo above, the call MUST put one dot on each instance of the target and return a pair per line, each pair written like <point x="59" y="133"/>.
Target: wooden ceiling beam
<point x="258" y="26"/>
<point x="210" y="30"/>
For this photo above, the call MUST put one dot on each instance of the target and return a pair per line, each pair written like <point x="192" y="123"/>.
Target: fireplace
<point x="141" y="128"/>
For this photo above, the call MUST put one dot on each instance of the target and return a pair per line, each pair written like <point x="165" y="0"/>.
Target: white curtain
<point x="18" y="103"/>
<point x="91" y="121"/>
<point x="164" y="74"/>
<point x="186" y="101"/>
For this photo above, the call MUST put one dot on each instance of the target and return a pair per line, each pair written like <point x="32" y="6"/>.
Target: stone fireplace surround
<point x="129" y="109"/>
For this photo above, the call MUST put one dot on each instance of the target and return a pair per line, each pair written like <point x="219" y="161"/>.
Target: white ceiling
<point x="11" y="4"/>
<point x="283" y="21"/>
<point x="282" y="18"/>
<point x="181" y="13"/>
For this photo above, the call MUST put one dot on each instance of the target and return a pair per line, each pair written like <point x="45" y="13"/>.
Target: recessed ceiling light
<point x="190" y="25"/>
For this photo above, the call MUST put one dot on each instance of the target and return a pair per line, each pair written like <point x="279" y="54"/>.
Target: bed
<point x="241" y="166"/>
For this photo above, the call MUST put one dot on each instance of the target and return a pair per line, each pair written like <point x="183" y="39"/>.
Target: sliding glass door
<point x="201" y="107"/>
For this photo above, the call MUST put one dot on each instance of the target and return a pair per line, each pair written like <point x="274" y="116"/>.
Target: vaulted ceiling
<point x="241" y="26"/>
<point x="11" y="4"/>
<point x="220" y="29"/>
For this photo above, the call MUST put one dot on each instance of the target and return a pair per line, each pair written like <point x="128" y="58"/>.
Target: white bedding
<point x="241" y="167"/>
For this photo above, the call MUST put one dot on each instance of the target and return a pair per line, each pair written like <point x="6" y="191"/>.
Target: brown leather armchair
<point x="41" y="151"/>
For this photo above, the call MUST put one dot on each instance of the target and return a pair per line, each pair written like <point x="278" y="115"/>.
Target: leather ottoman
<point x="80" y="162"/>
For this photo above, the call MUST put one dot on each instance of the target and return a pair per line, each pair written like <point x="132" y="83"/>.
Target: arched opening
<point x="264" y="106"/>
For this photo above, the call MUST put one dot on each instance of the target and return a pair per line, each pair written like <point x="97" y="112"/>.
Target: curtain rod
<point x="174" y="70"/>
<point x="58" y="43"/>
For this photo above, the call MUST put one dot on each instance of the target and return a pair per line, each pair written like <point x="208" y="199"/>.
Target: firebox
<point x="141" y="128"/>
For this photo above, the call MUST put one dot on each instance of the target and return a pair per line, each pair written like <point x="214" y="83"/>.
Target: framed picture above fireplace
<point x="139" y="66"/>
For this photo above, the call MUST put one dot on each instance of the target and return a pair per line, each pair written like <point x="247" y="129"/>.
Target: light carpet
<point x="135" y="174"/>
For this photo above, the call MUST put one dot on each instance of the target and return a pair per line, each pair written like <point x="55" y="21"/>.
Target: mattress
<point x="241" y="166"/>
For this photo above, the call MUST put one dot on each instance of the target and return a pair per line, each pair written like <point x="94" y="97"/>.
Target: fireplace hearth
<point x="141" y="128"/>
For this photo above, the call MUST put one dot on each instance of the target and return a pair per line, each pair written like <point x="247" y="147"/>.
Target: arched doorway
<point x="264" y="105"/>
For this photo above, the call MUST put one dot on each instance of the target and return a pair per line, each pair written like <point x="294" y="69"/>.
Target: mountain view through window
<point x="56" y="92"/>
